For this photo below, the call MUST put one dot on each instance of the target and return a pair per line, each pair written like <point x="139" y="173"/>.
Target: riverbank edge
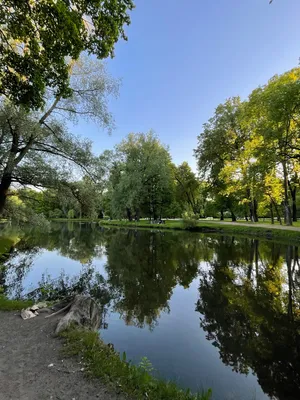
<point x="104" y="363"/>
<point x="283" y="235"/>
<point x="133" y="380"/>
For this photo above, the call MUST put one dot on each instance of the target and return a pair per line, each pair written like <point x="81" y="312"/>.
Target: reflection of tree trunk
<point x="289" y="252"/>
<point x="256" y="259"/>
<point x="272" y="213"/>
<point x="250" y="265"/>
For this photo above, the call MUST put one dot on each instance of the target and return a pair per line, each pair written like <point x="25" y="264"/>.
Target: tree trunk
<point x="137" y="214"/>
<point x="4" y="186"/>
<point x="272" y="213"/>
<point x="277" y="212"/>
<point x="233" y="217"/>
<point x="222" y="215"/>
<point x="294" y="204"/>
<point x="129" y="216"/>
<point x="255" y="217"/>
<point x="287" y="209"/>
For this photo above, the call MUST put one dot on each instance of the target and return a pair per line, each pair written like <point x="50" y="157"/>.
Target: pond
<point x="206" y="310"/>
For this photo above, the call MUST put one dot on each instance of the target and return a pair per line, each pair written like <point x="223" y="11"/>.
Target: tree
<point x="38" y="39"/>
<point x="275" y="108"/>
<point x="219" y="143"/>
<point x="141" y="181"/>
<point x="34" y="144"/>
<point x="188" y="188"/>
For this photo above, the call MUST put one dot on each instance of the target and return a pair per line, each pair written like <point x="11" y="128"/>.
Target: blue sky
<point x="184" y="57"/>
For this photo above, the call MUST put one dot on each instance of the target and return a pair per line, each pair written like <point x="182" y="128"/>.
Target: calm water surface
<point x="208" y="311"/>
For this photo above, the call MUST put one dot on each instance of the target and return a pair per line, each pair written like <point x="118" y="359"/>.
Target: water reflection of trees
<point x="144" y="267"/>
<point x="17" y="256"/>
<point x="249" y="299"/>
<point x="249" y="290"/>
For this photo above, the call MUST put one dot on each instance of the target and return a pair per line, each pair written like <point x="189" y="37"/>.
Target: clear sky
<point x="184" y="57"/>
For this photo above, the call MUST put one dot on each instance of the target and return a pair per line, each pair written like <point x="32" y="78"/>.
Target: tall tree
<point x="33" y="144"/>
<point x="188" y="187"/>
<point x="142" y="179"/>
<point x="219" y="143"/>
<point x="276" y="121"/>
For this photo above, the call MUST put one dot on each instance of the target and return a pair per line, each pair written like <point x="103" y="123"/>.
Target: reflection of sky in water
<point x="177" y="346"/>
<point x="53" y="264"/>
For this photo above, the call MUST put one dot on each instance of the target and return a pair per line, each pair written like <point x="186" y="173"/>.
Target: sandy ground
<point x="27" y="348"/>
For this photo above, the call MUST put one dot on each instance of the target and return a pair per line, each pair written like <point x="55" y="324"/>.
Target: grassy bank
<point x="266" y="232"/>
<point x="74" y="220"/>
<point x="136" y="381"/>
<point x="13" y="305"/>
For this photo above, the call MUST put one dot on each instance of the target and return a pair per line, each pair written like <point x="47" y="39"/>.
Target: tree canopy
<point x="39" y="40"/>
<point x="249" y="151"/>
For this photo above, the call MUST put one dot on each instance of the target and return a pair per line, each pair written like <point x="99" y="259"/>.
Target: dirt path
<point x="27" y="348"/>
<point x="257" y="225"/>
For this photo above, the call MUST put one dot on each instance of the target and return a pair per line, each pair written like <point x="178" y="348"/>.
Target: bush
<point x="190" y="220"/>
<point x="189" y="223"/>
<point x="17" y="212"/>
<point x="71" y="214"/>
<point x="55" y="213"/>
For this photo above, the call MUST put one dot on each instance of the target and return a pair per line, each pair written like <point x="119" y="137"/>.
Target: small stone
<point x="50" y="365"/>
<point x="27" y="314"/>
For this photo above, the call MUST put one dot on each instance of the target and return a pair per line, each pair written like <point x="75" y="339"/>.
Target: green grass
<point x="136" y="381"/>
<point x="284" y="235"/>
<point x="12" y="305"/>
<point x="73" y="220"/>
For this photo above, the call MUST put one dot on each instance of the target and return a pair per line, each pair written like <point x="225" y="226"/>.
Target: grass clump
<point x="136" y="381"/>
<point x="12" y="305"/>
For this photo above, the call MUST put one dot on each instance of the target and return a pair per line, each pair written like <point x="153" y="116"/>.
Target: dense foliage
<point x="38" y="40"/>
<point x="248" y="151"/>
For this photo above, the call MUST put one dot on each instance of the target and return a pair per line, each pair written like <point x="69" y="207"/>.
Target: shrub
<point x="190" y="220"/>
<point x="57" y="213"/>
<point x="71" y="214"/>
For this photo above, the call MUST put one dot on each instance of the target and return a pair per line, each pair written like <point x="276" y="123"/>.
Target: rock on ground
<point x="27" y="349"/>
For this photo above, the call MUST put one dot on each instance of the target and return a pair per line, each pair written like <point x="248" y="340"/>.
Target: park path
<point x="256" y="225"/>
<point x="32" y="366"/>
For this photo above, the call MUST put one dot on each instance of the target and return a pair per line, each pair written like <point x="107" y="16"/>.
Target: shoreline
<point x="110" y="371"/>
<point x="270" y="232"/>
